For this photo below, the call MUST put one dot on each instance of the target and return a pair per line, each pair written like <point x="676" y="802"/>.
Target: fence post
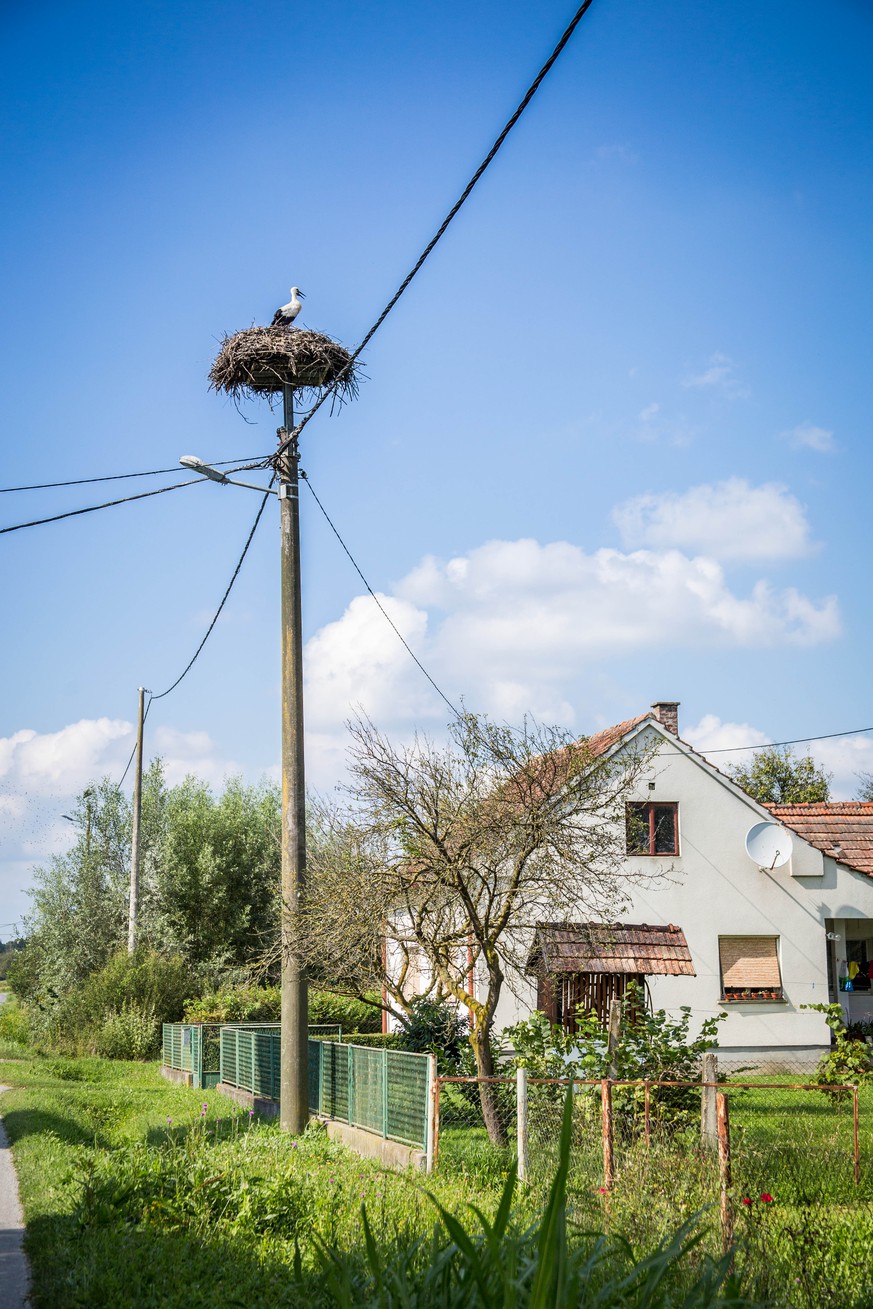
<point x="613" y="1035"/>
<point x="606" y="1126"/>
<point x="432" y="1102"/>
<point x="856" y="1141"/>
<point x="708" y="1121"/>
<point x="385" y="1093"/>
<point x="647" y="1113"/>
<point x="724" y="1170"/>
<point x="521" y="1122"/>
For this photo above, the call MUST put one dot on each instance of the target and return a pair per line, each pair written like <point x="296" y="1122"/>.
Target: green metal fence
<point x="383" y="1091"/>
<point x="193" y="1048"/>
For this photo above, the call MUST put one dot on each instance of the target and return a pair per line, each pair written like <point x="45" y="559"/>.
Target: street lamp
<point x="294" y="1056"/>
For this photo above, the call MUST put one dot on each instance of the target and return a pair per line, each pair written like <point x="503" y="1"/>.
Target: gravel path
<point x="14" y="1271"/>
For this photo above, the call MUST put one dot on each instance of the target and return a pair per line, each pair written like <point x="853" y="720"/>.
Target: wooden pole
<point x="724" y="1170"/>
<point x="135" y="841"/>
<point x="294" y="1056"/>
<point x="436" y="1124"/>
<point x="647" y="1114"/>
<point x="708" y="1124"/>
<point x="521" y="1122"/>
<point x="613" y="1035"/>
<point x="606" y="1128"/>
<point x="856" y="1136"/>
<point x="431" y="1126"/>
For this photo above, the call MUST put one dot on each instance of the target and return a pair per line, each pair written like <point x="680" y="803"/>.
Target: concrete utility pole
<point x="294" y="1058"/>
<point x="133" y="909"/>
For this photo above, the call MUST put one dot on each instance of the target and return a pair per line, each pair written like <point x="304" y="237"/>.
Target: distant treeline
<point x="8" y="949"/>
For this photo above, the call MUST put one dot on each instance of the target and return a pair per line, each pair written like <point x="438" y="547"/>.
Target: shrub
<point x="436" y="1027"/>
<point x="14" y="1023"/>
<point x="850" y="1059"/>
<point x="261" y="1004"/>
<point x="131" y="1033"/>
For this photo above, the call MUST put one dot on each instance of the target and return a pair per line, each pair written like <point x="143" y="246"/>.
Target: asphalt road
<point x="14" y="1271"/>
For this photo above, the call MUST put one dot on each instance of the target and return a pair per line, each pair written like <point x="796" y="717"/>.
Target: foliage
<point x="141" y="1193"/>
<point x="144" y="983"/>
<point x="209" y="880"/>
<point x="15" y="1034"/>
<point x="8" y="951"/>
<point x="130" y="1033"/>
<point x="778" y="776"/>
<point x="453" y="853"/>
<point x="652" y="1046"/>
<point x="866" y="789"/>
<point x="436" y="1027"/>
<point x="261" y="1004"/>
<point x="850" y="1058"/>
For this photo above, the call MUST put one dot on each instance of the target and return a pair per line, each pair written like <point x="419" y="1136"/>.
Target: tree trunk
<point x="481" y="1047"/>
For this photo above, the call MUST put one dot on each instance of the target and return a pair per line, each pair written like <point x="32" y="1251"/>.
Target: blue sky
<point x="613" y="445"/>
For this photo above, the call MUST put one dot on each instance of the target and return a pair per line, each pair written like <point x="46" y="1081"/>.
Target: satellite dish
<point x="769" y="845"/>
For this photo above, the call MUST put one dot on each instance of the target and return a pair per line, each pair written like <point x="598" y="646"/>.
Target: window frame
<point x="763" y="994"/>
<point x="651" y="806"/>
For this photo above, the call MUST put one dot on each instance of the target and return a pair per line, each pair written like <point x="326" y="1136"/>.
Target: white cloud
<point x="41" y="773"/>
<point x="727" y="520"/>
<point x="719" y="374"/>
<point x="712" y="734"/>
<point x="844" y="757"/>
<point x="808" y="436"/>
<point x="514" y="625"/>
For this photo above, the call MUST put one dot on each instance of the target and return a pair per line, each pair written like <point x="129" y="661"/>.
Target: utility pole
<point x="294" y="1057"/>
<point x="135" y="838"/>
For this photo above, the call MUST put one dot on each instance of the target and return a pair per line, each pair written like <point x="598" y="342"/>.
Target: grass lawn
<point x="140" y="1193"/>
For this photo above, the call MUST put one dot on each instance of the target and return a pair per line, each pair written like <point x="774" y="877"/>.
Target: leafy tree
<point x="446" y="857"/>
<point x="866" y="791"/>
<point x="778" y="776"/>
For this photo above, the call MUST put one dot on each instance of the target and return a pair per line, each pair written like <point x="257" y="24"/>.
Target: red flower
<point x="767" y="1198"/>
<point x="746" y="1200"/>
<point x="602" y="1190"/>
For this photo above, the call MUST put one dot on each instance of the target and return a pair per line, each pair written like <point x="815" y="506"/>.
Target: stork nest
<point x="263" y="360"/>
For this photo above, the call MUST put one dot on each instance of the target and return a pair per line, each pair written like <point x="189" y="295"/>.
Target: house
<point x="756" y="937"/>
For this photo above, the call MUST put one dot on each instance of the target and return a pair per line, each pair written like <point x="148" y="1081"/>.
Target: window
<point x="652" y="828"/>
<point x="750" y="968"/>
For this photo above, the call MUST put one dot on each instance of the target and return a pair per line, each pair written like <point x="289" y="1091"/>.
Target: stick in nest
<point x="263" y="360"/>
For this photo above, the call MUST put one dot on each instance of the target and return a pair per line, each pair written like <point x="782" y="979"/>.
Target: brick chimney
<point x="667" y="714"/>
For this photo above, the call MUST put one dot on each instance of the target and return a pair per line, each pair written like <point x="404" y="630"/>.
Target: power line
<point x="382" y="608"/>
<point x="74" y="513"/>
<point x="217" y="614"/>
<point x="208" y="633"/>
<point x="444" y="225"/>
<point x="798" y="740"/>
<point x="120" y="477"/>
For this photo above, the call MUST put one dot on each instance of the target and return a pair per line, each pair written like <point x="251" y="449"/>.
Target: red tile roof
<point x="600" y="742"/>
<point x="610" y="948"/>
<point x="842" y="829"/>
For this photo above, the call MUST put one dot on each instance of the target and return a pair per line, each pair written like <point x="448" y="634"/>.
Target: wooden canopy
<point x="630" y="948"/>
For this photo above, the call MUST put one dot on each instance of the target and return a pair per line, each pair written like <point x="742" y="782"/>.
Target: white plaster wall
<point x="713" y="889"/>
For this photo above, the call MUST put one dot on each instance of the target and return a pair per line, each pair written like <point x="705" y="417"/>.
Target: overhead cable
<point x="444" y="225"/>
<point x="381" y="607"/>
<point x="797" y="740"/>
<point x="120" y="477"/>
<point x="109" y="504"/>
<point x="217" y="614"/>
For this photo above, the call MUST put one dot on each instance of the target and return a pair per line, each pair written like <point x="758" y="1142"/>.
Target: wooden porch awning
<point x="635" y="948"/>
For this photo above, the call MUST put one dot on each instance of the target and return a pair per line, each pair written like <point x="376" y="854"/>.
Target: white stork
<point x="285" y="316"/>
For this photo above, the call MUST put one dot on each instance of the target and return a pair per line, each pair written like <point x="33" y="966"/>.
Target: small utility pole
<point x="294" y="1058"/>
<point x="135" y="839"/>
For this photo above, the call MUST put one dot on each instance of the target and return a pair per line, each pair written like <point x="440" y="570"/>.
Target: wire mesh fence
<point x="779" y="1172"/>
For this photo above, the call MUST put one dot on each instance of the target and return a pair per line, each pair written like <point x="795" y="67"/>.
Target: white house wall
<point x="713" y="889"/>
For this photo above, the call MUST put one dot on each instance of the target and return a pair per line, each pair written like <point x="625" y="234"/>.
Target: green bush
<point x="435" y="1027"/>
<point x="14" y="1023"/>
<point x="261" y="1004"/>
<point x="379" y="1040"/>
<point x="131" y="1033"/>
<point x="849" y="1061"/>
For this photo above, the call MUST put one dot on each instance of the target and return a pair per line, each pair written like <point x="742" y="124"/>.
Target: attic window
<point x="750" y="968"/>
<point x="652" y="828"/>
